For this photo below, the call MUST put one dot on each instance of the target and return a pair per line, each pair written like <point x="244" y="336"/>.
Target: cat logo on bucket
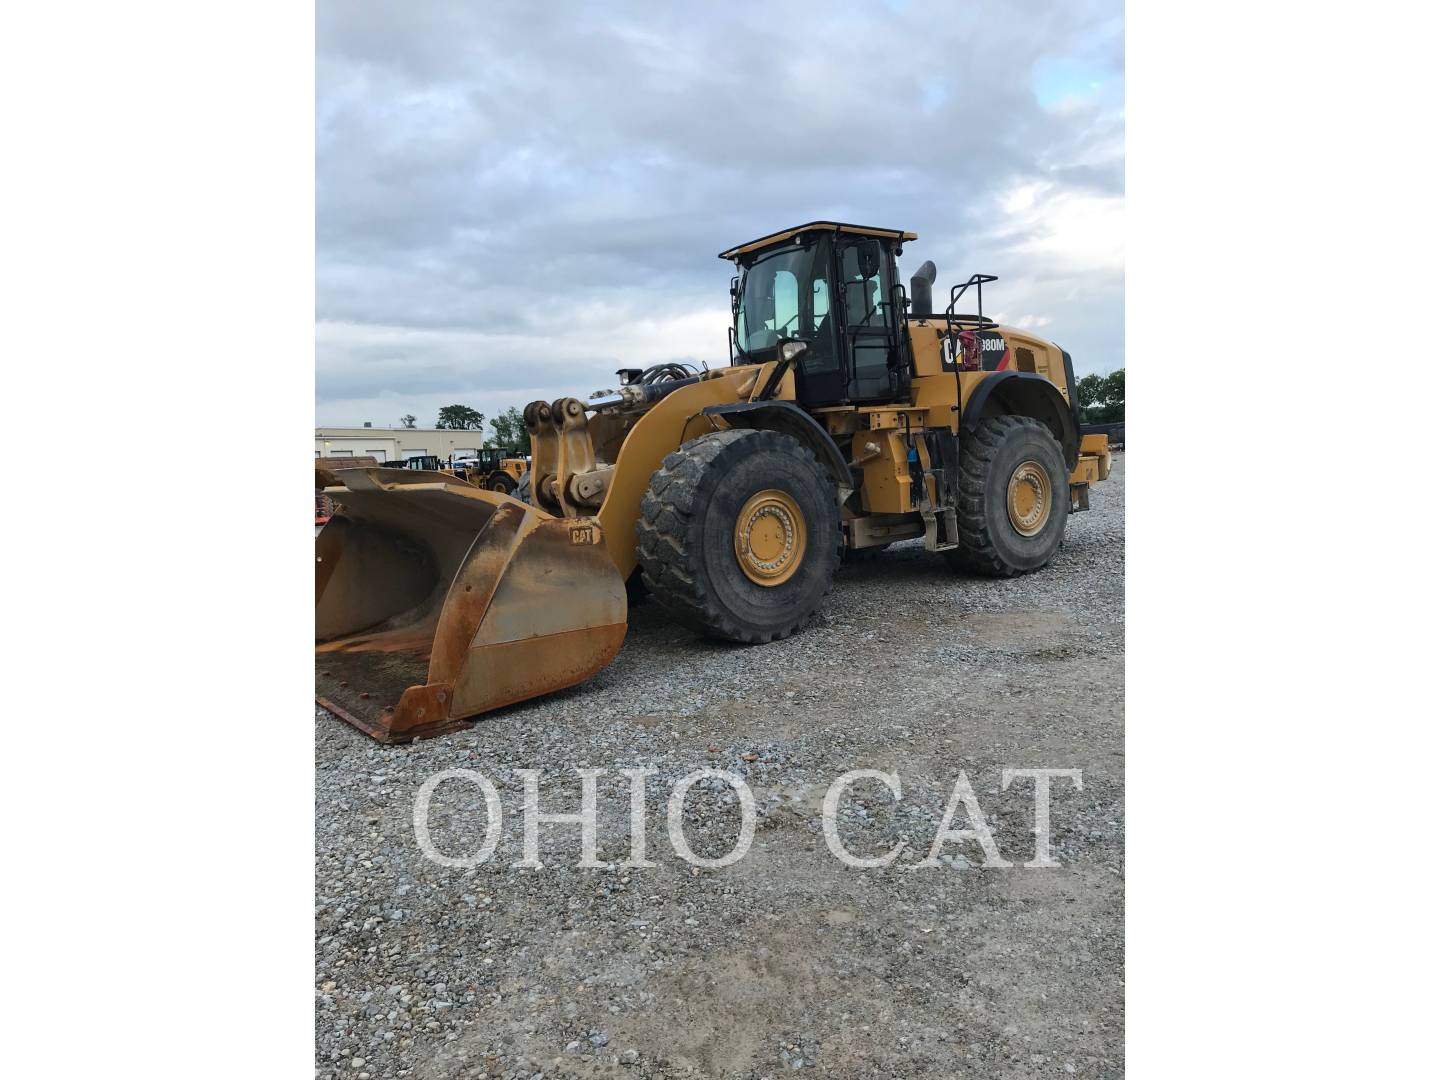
<point x="582" y="534"/>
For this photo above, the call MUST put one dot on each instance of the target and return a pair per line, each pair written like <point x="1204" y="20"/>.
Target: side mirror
<point x="868" y="252"/>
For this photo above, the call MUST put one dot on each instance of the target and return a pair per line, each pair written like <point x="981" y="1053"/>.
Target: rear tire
<point x="739" y="535"/>
<point x="1015" y="497"/>
<point x="502" y="484"/>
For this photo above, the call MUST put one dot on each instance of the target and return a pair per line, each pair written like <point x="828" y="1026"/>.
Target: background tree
<point x="1102" y="398"/>
<point x="460" y="418"/>
<point x="408" y="420"/>
<point x="1115" y="396"/>
<point x="509" y="428"/>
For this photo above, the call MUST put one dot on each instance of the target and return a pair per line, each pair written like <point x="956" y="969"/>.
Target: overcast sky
<point x="510" y="204"/>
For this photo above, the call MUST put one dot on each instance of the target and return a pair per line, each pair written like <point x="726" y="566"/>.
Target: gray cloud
<point x="509" y="204"/>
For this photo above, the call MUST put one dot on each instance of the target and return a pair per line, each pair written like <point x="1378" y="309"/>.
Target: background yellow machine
<point x="494" y="468"/>
<point x="851" y="416"/>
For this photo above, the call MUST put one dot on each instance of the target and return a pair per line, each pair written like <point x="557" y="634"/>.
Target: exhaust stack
<point x="920" y="302"/>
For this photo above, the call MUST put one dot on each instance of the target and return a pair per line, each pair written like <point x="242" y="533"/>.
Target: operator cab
<point x="834" y="287"/>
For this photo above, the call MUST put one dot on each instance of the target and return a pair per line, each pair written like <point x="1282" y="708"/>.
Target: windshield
<point x="782" y="295"/>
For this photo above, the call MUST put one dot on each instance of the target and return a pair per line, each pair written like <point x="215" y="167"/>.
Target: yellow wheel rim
<point x="1028" y="498"/>
<point x="770" y="537"/>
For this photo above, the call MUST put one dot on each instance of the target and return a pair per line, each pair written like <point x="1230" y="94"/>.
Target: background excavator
<point x="850" y="416"/>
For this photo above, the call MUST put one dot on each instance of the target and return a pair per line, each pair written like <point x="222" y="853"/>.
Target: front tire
<point x="1015" y="497"/>
<point x="739" y="535"/>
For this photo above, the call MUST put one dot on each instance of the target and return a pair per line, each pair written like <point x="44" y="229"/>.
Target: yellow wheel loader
<point x="850" y="416"/>
<point x="495" y="469"/>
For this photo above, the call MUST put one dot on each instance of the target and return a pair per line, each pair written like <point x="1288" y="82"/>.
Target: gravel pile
<point x="787" y="960"/>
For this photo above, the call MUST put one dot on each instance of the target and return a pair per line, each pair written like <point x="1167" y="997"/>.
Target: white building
<point x="395" y="444"/>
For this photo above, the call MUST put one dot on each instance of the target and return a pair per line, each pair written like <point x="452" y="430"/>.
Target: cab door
<point x="822" y="378"/>
<point x="869" y="319"/>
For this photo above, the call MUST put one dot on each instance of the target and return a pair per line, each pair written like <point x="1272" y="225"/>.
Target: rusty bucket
<point x="436" y="601"/>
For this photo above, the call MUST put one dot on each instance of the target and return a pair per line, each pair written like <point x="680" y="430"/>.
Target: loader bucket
<point x="436" y="600"/>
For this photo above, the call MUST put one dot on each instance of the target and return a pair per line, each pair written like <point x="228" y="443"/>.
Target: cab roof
<point x="828" y="226"/>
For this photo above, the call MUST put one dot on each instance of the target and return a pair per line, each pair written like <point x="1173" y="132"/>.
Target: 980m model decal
<point x="994" y="354"/>
<point x="984" y="350"/>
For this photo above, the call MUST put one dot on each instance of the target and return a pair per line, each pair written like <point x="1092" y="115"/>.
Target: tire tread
<point x="669" y="517"/>
<point x="977" y="551"/>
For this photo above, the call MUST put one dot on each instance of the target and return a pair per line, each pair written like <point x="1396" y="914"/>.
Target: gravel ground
<point x="788" y="959"/>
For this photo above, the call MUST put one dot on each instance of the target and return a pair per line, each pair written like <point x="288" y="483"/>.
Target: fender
<point x="1072" y="391"/>
<point x="658" y="431"/>
<point x="789" y="419"/>
<point x="1025" y="394"/>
